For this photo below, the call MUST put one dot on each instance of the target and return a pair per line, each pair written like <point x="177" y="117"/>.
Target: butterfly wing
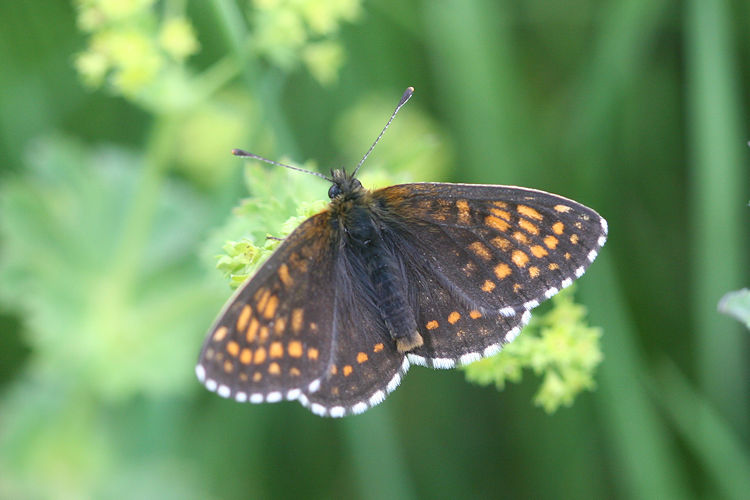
<point x="272" y="338"/>
<point x="364" y="365"/>
<point x="481" y="257"/>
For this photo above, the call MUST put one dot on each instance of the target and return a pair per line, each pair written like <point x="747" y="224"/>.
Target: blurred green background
<point x="117" y="192"/>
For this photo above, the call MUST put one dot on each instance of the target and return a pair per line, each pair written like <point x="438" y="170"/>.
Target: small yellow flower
<point x="177" y="38"/>
<point x="323" y="60"/>
<point x="92" y="66"/>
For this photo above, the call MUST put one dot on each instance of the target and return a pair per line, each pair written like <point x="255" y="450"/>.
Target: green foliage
<point x="557" y="345"/>
<point x="737" y="305"/>
<point x="63" y="265"/>
<point x="108" y="254"/>
<point x="107" y="321"/>
<point x="136" y="50"/>
<point x="289" y="32"/>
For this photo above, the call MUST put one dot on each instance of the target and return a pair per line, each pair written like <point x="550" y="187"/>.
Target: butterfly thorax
<point x="354" y="214"/>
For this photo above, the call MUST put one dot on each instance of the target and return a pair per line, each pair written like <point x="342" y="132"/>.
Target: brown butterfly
<point x="431" y="274"/>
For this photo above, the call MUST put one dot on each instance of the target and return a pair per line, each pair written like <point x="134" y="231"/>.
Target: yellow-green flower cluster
<point x="559" y="346"/>
<point x="131" y="45"/>
<point x="293" y="31"/>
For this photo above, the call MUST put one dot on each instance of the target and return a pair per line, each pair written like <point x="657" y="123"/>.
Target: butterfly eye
<point x="334" y="191"/>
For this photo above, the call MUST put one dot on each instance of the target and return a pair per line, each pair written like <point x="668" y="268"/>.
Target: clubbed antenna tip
<point x="407" y="94"/>
<point x="405" y="97"/>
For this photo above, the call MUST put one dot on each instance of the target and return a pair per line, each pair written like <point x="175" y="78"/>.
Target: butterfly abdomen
<point x="387" y="282"/>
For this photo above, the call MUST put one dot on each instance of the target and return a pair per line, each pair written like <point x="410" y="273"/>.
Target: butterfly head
<point x="344" y="185"/>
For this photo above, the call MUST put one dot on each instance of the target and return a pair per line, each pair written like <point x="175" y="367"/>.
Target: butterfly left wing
<point x="484" y="253"/>
<point x="272" y="338"/>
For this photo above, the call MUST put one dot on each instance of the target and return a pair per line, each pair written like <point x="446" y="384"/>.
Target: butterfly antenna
<point x="407" y="94"/>
<point x="245" y="154"/>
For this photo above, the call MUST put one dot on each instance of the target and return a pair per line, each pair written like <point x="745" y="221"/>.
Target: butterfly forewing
<point x="503" y="248"/>
<point x="272" y="340"/>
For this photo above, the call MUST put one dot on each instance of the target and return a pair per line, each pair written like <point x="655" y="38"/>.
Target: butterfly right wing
<point x="480" y="257"/>
<point x="273" y="337"/>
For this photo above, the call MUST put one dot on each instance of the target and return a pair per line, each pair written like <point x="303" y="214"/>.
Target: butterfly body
<point x="427" y="273"/>
<point x="363" y="220"/>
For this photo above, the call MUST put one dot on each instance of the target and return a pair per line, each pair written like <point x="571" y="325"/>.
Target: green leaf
<point x="113" y="323"/>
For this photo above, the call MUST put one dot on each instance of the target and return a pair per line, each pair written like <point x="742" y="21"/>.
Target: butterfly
<point x="430" y="274"/>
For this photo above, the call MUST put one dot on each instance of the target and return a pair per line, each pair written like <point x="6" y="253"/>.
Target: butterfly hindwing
<point x="271" y="341"/>
<point x="455" y="333"/>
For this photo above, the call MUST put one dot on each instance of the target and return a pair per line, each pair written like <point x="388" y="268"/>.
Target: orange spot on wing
<point x="257" y="376"/>
<point x="270" y="310"/>
<point x="528" y="226"/>
<point x="521" y="238"/>
<point x="220" y="333"/>
<point x="377" y="347"/>
<point x="480" y="250"/>
<point x="274" y="368"/>
<point x="244" y="317"/>
<point x="312" y="353"/>
<point x="519" y="258"/>
<point x="558" y="227"/>
<point x="474" y="314"/>
<point x="453" y="317"/>
<point x="252" y="330"/>
<point x="502" y="270"/>
<point x="488" y="286"/>
<point x="284" y="275"/>
<point x="278" y="325"/>
<point x="233" y="348"/>
<point x="500" y="213"/>
<point x="361" y="357"/>
<point x="295" y="348"/>
<point x="500" y="243"/>
<point x="347" y="370"/>
<point x="574" y="239"/>
<point x="297" y="316"/>
<point x="260" y="355"/>
<point x="294" y="371"/>
<point x="228" y="366"/>
<point x="562" y="208"/>
<point x="464" y="216"/>
<point x="246" y="356"/>
<point x="263" y="336"/>
<point x="534" y="271"/>
<point x="263" y="300"/>
<point x="538" y="251"/>
<point x="275" y="350"/>
<point x="529" y="212"/>
<point x="553" y="266"/>
<point x="551" y="242"/>
<point x="431" y="325"/>
<point x="496" y="223"/>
